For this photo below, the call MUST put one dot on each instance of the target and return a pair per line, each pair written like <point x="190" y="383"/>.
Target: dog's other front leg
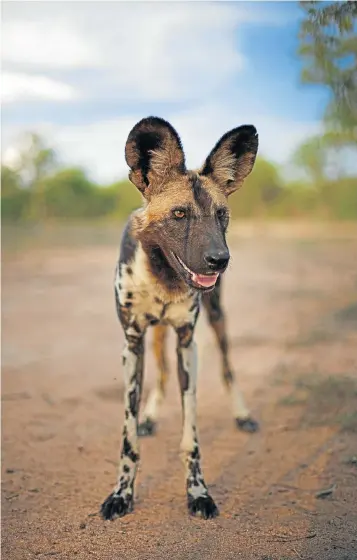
<point x="198" y="499"/>
<point x="120" y="501"/>
<point x="212" y="303"/>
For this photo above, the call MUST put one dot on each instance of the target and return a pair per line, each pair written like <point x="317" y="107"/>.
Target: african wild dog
<point x="173" y="250"/>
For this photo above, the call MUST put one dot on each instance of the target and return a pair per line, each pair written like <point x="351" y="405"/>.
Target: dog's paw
<point x="116" y="506"/>
<point x="203" y="506"/>
<point x="247" y="425"/>
<point x="147" y="428"/>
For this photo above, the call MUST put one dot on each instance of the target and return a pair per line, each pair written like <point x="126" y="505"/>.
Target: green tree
<point x="36" y="159"/>
<point x="261" y="191"/>
<point x="10" y="181"/>
<point x="328" y="45"/>
<point x="311" y="156"/>
<point x="69" y="194"/>
<point x="14" y="199"/>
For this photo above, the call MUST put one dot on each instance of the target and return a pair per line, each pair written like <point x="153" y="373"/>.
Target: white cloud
<point x="150" y="51"/>
<point x="26" y="87"/>
<point x="44" y="44"/>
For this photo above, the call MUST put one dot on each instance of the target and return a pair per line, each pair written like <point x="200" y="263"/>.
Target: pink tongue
<point x="205" y="281"/>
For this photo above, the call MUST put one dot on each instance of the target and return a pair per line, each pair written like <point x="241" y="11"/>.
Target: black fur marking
<point x="247" y="425"/>
<point x="161" y="268"/>
<point x="157" y="300"/>
<point x="195" y="317"/>
<point x="129" y="270"/>
<point x="182" y="373"/>
<point x="147" y="141"/>
<point x="116" y="506"/>
<point x="242" y="140"/>
<point x="228" y="377"/>
<point x="128" y="450"/>
<point x="211" y="302"/>
<point x="185" y="335"/>
<point x="223" y="342"/>
<point x="128" y="304"/>
<point x="195" y="453"/>
<point x="195" y="469"/>
<point x="126" y="469"/>
<point x="147" y="428"/>
<point x="133" y="402"/>
<point x="151" y="319"/>
<point x="207" y="169"/>
<point x="135" y="344"/>
<point x="245" y="141"/>
<point x="136" y="327"/>
<point x="201" y="196"/>
<point x="128" y="246"/>
<point x="164" y="309"/>
<point x="117" y="303"/>
<point x="129" y="295"/>
<point x="203" y="505"/>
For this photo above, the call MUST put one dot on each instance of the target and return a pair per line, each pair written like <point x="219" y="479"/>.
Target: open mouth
<point x="202" y="281"/>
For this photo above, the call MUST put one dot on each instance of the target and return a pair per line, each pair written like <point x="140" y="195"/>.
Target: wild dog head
<point x="185" y="217"/>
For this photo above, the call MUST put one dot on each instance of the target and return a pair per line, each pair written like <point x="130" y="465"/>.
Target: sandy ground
<point x="291" y="303"/>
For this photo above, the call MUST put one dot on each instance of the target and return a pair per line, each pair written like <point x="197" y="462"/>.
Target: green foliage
<point x="328" y="37"/>
<point x="14" y="200"/>
<point x="68" y="194"/>
<point x="311" y="156"/>
<point x="128" y="198"/>
<point x="261" y="193"/>
<point x="36" y="159"/>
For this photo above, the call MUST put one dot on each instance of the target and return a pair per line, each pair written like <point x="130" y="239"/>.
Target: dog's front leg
<point x="120" y="501"/>
<point x="198" y="499"/>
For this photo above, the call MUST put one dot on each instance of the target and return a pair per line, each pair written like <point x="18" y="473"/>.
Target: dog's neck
<point x="168" y="281"/>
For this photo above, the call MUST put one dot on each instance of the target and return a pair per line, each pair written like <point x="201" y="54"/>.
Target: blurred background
<point x="77" y="76"/>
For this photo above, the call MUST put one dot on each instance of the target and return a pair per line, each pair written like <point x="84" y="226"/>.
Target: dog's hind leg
<point x="157" y="394"/>
<point x="213" y="306"/>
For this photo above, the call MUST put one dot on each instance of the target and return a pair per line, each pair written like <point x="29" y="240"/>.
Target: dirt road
<point x="292" y="312"/>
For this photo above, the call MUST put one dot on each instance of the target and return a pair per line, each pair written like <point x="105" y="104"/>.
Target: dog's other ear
<point x="232" y="158"/>
<point x="154" y="154"/>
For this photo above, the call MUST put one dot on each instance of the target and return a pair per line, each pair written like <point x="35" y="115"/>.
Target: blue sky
<point x="82" y="74"/>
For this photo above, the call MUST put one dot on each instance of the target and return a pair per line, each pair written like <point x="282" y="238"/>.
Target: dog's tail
<point x="159" y="343"/>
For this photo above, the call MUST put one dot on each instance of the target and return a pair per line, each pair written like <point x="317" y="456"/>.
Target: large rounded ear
<point x="154" y="154"/>
<point x="232" y="158"/>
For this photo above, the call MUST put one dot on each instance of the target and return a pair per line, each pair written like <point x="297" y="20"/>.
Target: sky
<point x="83" y="73"/>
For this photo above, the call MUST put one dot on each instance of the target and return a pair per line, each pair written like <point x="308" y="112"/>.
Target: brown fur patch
<point x="159" y="340"/>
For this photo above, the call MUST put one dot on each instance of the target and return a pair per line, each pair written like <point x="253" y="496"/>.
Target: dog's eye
<point x="179" y="213"/>
<point x="221" y="213"/>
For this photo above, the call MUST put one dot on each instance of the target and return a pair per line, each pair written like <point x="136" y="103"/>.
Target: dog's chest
<point x="146" y="303"/>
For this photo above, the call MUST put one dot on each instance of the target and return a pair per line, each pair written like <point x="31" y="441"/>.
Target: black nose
<point x="217" y="260"/>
